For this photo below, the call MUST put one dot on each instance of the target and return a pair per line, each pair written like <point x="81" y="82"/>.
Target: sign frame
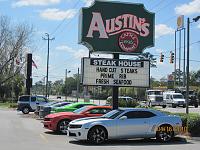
<point x="82" y="72"/>
<point x="116" y="50"/>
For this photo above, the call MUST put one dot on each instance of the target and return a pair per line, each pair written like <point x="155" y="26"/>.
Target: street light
<point x="188" y="61"/>
<point x="67" y="71"/>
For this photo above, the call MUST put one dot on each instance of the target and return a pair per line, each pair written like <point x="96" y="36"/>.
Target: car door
<point x="136" y="124"/>
<point x="41" y="100"/>
<point x="33" y="101"/>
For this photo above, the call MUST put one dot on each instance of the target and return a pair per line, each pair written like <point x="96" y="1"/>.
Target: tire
<point x="25" y="110"/>
<point x="62" y="126"/>
<point x="184" y="106"/>
<point x="164" y="106"/>
<point x="173" y="106"/>
<point x="97" y="135"/>
<point x="165" y="135"/>
<point x="196" y="105"/>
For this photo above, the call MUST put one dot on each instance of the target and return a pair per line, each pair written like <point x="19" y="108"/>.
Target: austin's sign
<point x="116" y="27"/>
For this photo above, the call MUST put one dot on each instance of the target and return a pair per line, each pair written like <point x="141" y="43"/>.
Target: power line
<point x="60" y="24"/>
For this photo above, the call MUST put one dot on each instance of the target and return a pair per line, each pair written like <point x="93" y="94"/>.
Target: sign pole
<point x="115" y="89"/>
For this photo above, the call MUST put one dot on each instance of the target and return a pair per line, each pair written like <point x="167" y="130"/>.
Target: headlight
<point x="73" y="126"/>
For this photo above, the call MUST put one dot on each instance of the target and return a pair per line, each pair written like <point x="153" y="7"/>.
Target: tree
<point x="14" y="39"/>
<point x="148" y="56"/>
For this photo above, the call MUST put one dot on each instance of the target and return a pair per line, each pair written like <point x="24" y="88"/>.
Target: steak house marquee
<point x="113" y="72"/>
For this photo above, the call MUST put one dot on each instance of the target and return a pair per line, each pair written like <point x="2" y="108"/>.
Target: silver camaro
<point x="125" y="124"/>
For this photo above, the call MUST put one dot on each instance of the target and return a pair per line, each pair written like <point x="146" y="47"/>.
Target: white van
<point x="155" y="98"/>
<point x="174" y="99"/>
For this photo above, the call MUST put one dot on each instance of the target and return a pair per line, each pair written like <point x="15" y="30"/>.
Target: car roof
<point x="91" y="107"/>
<point x="143" y="109"/>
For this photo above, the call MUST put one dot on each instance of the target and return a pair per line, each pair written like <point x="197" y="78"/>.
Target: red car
<point x="58" y="122"/>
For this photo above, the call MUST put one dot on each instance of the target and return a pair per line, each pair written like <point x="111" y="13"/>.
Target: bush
<point x="193" y="123"/>
<point x="124" y="103"/>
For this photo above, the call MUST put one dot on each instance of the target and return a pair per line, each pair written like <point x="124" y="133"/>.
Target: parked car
<point x="155" y="98"/>
<point x="124" y="101"/>
<point x="124" y="124"/>
<point x="46" y="109"/>
<point x="193" y="98"/>
<point x="71" y="107"/>
<point x="39" y="107"/>
<point x="59" y="121"/>
<point x="174" y="99"/>
<point x="27" y="103"/>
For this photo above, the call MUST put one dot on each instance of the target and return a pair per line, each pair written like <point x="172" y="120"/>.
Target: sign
<point x="180" y="22"/>
<point x="170" y="77"/>
<point x="114" y="27"/>
<point x="115" y="72"/>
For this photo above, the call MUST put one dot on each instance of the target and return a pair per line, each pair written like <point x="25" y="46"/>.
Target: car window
<point x="24" y="98"/>
<point x="33" y="99"/>
<point x="99" y="111"/>
<point x="41" y="99"/>
<point x="139" y="114"/>
<point x="79" y="106"/>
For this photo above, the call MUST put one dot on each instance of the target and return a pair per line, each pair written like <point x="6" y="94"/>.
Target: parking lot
<point x="26" y="132"/>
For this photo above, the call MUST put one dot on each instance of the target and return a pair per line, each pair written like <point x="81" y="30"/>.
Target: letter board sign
<point x="114" y="27"/>
<point x="115" y="72"/>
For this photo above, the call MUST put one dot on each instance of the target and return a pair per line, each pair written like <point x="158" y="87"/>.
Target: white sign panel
<point x="114" y="72"/>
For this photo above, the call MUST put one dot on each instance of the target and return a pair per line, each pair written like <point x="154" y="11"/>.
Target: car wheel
<point x="184" y="106"/>
<point x="63" y="126"/>
<point x="97" y="135"/>
<point x="165" y="133"/>
<point x="196" y="105"/>
<point x="25" y="110"/>
<point x="173" y="105"/>
<point x="164" y="106"/>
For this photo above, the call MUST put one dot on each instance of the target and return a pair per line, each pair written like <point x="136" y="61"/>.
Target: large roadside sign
<point x="115" y="72"/>
<point x="114" y="27"/>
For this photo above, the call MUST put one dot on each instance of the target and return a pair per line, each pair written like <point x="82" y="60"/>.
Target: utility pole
<point x="77" y="92"/>
<point x="66" y="72"/>
<point x="47" y="77"/>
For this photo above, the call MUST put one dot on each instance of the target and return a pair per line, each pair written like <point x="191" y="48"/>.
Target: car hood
<point x="60" y="114"/>
<point x="88" y="120"/>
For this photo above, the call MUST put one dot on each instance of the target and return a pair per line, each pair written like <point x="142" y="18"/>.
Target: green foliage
<point x="124" y="103"/>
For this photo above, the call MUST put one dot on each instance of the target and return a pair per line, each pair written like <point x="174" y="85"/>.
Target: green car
<point x="71" y="107"/>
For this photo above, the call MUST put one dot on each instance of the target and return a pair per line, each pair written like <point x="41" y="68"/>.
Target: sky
<point x="59" y="18"/>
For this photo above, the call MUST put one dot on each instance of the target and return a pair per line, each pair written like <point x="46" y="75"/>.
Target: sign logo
<point x="128" y="41"/>
<point x="114" y="27"/>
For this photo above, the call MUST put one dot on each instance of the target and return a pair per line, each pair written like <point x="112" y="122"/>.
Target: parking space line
<point x="44" y="138"/>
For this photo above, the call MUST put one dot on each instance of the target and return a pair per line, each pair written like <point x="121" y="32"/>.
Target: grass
<point x="8" y="105"/>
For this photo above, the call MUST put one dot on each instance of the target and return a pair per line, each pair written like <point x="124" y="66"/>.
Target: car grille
<point x="47" y="119"/>
<point x="74" y="126"/>
<point x="159" y="99"/>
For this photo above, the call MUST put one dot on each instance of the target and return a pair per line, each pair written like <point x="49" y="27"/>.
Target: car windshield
<point x="177" y="96"/>
<point x="113" y="114"/>
<point x="80" y="110"/>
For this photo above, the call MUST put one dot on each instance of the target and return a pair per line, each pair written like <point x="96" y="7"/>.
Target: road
<point x="18" y="131"/>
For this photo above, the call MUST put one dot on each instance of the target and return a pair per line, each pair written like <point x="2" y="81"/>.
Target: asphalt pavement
<point x="18" y="131"/>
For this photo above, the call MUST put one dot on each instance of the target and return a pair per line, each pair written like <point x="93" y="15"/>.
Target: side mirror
<point x="123" y="118"/>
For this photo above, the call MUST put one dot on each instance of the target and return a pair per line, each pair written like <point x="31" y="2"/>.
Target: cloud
<point x="159" y="50"/>
<point x="198" y="26"/>
<point x="189" y="8"/>
<point x="21" y="3"/>
<point x="88" y="2"/>
<point x="162" y="29"/>
<point x="56" y="14"/>
<point x="77" y="53"/>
